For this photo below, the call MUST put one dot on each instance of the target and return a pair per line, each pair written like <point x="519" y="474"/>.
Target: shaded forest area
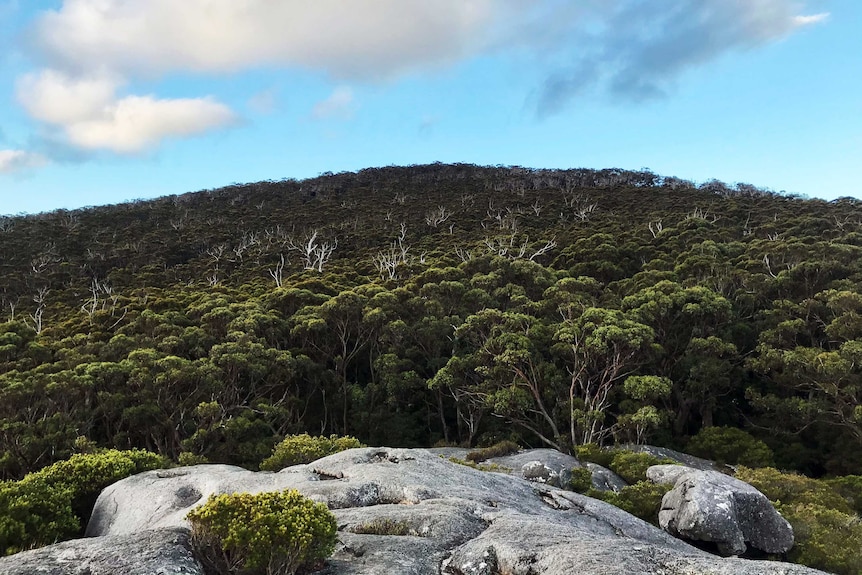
<point x="441" y="303"/>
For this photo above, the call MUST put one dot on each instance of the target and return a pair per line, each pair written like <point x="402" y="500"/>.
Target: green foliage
<point x="581" y="480"/>
<point x="273" y="533"/>
<point x="826" y="539"/>
<point x="54" y="503"/>
<point x="299" y="449"/>
<point x="794" y="489"/>
<point x="480" y="466"/>
<point x="499" y="449"/>
<point x="632" y="466"/>
<point x="641" y="499"/>
<point x="827" y="528"/>
<point x="850" y="488"/>
<point x="384" y="526"/>
<point x="595" y="453"/>
<point x="732" y="446"/>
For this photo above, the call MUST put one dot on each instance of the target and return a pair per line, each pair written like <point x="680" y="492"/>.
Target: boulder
<point x="403" y="511"/>
<point x="604" y="479"/>
<point x="164" y="552"/>
<point x="708" y="506"/>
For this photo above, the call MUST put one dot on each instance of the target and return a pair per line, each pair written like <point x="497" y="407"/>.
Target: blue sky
<point x="103" y="101"/>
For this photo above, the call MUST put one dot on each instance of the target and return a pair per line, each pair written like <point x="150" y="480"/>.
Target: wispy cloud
<point x="339" y="104"/>
<point x="636" y="50"/>
<point x="264" y="102"/>
<point x="13" y="161"/>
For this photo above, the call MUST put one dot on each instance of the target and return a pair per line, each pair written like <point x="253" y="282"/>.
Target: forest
<point x="436" y="305"/>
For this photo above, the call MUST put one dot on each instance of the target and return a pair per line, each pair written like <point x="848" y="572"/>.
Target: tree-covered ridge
<point x="407" y="306"/>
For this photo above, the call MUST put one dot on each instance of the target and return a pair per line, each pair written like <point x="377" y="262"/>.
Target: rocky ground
<point x="453" y="520"/>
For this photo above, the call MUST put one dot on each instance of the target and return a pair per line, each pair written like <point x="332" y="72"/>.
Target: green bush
<point x="850" y="488"/>
<point x="54" y="503"/>
<point x="595" y="454"/>
<point x="499" y="449"/>
<point x="642" y="499"/>
<point x="632" y="466"/>
<point x="794" y="489"/>
<point x="298" y="449"/>
<point x="273" y="533"/>
<point x="383" y="526"/>
<point x="731" y="446"/>
<point x="827" y="530"/>
<point x="581" y="480"/>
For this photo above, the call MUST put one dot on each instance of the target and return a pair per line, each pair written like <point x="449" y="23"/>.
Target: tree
<point x="599" y="349"/>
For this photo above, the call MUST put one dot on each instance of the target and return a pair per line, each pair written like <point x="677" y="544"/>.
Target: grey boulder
<point x="708" y="506"/>
<point x="165" y="552"/>
<point x="402" y="511"/>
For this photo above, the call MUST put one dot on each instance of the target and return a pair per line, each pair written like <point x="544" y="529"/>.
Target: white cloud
<point x="812" y="19"/>
<point x="18" y="160"/>
<point x="629" y="48"/>
<point x="339" y="104"/>
<point x="137" y="123"/>
<point x="353" y="39"/>
<point x="90" y="116"/>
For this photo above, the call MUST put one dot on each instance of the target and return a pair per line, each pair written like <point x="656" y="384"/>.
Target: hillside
<point x="441" y="303"/>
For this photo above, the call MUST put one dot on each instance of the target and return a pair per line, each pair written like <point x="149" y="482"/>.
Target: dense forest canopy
<point x="440" y="303"/>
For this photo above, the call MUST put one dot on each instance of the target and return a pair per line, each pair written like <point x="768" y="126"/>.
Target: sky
<point x="104" y="101"/>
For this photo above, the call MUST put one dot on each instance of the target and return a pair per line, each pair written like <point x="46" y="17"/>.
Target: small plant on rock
<point x="299" y="449"/>
<point x="274" y="533"/>
<point x="500" y="449"/>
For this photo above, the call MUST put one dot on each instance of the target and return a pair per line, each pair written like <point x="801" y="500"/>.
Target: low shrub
<point x="827" y="529"/>
<point x="54" y="503"/>
<point x="274" y="533"/>
<point x="595" y="454"/>
<point x="642" y="499"/>
<point x="850" y="488"/>
<point x="383" y="526"/>
<point x="826" y="539"/>
<point x="581" y="480"/>
<point x="499" y="449"/>
<point x="632" y="466"/>
<point x="731" y="446"/>
<point x="299" y="449"/>
<point x="794" y="489"/>
<point x="480" y="466"/>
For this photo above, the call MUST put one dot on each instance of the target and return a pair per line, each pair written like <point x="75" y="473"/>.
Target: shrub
<point x="383" y="526"/>
<point x="826" y="539"/>
<point x="581" y="480"/>
<point x="499" y="449"/>
<point x="731" y="446"/>
<point x="298" y="449"/>
<point x="642" y="499"/>
<point x="595" y="454"/>
<point x="53" y="504"/>
<point x="632" y="466"/>
<point x="794" y="489"/>
<point x="828" y="533"/>
<point x="273" y="533"/>
<point x="850" y="488"/>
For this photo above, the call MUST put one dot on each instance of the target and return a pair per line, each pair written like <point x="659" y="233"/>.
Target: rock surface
<point x="711" y="507"/>
<point x="547" y="466"/>
<point x="399" y="511"/>
<point x="450" y="519"/>
<point x="164" y="552"/>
